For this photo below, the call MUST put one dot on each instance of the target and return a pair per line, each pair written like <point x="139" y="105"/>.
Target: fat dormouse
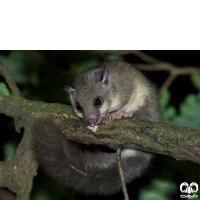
<point x="112" y="90"/>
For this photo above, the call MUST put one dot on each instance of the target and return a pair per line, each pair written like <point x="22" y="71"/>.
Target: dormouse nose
<point x="92" y="121"/>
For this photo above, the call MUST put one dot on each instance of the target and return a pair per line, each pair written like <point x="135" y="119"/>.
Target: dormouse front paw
<point x="116" y="115"/>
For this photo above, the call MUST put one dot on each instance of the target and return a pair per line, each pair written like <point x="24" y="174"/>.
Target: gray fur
<point x="97" y="172"/>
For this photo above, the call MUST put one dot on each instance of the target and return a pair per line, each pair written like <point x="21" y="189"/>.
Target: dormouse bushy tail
<point x="86" y="171"/>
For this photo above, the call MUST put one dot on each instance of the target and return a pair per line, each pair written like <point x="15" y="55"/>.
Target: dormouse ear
<point x="102" y="76"/>
<point x="105" y="76"/>
<point x="67" y="88"/>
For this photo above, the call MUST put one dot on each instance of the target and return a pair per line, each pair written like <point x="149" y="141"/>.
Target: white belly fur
<point x="126" y="153"/>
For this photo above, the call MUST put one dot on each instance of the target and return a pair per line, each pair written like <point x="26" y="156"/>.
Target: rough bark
<point x="180" y="142"/>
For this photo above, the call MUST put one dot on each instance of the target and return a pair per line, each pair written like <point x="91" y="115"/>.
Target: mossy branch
<point x="181" y="143"/>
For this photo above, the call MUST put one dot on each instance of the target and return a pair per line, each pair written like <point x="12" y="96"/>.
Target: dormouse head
<point x="89" y="93"/>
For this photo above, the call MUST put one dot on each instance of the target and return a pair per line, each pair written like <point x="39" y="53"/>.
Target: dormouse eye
<point x="79" y="107"/>
<point x="98" y="102"/>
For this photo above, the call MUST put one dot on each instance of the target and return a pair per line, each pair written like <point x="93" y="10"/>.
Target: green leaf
<point x="195" y="78"/>
<point x="189" y="112"/>
<point x="191" y="106"/>
<point x="42" y="195"/>
<point x="3" y="89"/>
<point x="169" y="113"/>
<point x="77" y="67"/>
<point x="158" y="190"/>
<point x="114" y="57"/>
<point x="182" y="120"/>
<point x="151" y="195"/>
<point x="165" y="97"/>
<point x="163" y="186"/>
<point x="9" y="150"/>
<point x="17" y="65"/>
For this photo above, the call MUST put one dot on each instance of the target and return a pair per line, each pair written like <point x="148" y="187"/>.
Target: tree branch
<point x="179" y="142"/>
<point x="121" y="172"/>
<point x="9" y="80"/>
<point x="158" y="65"/>
<point x="14" y="90"/>
<point x="139" y="54"/>
<point x="172" y="69"/>
<point x="185" y="70"/>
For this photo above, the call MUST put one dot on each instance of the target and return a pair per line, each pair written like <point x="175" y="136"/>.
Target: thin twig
<point x="4" y="71"/>
<point x="140" y="54"/>
<point x="185" y="70"/>
<point x="158" y="65"/>
<point x="9" y="80"/>
<point x="121" y="172"/>
<point x="167" y="83"/>
<point x="172" y="69"/>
